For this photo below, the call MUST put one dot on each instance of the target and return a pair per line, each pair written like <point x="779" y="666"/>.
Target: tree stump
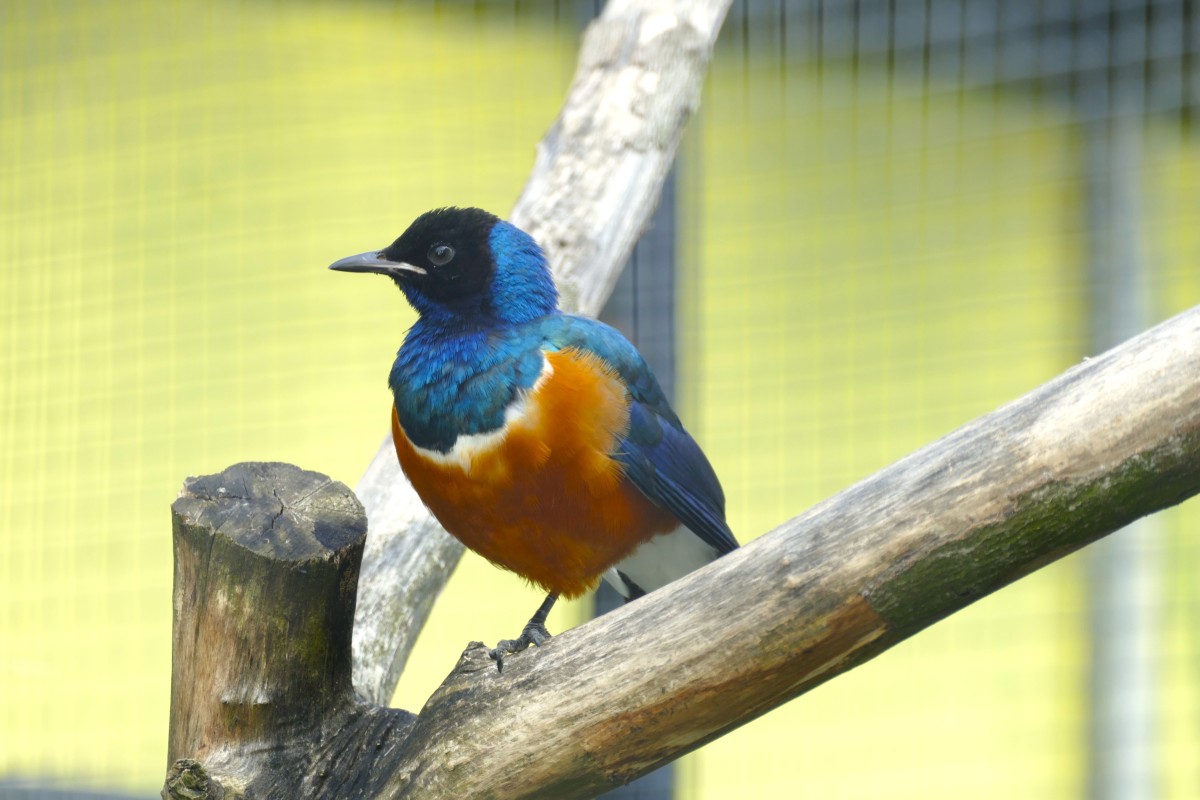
<point x="266" y="574"/>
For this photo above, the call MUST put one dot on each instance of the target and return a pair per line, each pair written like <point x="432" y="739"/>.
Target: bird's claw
<point x="534" y="633"/>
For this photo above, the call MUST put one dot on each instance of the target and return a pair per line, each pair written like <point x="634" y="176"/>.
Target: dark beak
<point x="375" y="262"/>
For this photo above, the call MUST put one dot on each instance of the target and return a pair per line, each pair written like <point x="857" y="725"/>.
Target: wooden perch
<point x="266" y="573"/>
<point x="596" y="182"/>
<point x="259" y="694"/>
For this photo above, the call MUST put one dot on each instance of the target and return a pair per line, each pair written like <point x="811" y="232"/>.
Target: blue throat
<point x="463" y="362"/>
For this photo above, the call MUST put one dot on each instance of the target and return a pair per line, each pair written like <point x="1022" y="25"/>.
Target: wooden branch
<point x="600" y="168"/>
<point x="596" y="182"/>
<point x="1110" y="440"/>
<point x="1113" y="439"/>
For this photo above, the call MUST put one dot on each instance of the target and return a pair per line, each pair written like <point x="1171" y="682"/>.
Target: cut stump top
<point x="275" y="510"/>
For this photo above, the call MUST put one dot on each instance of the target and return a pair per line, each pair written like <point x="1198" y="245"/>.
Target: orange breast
<point x="545" y="498"/>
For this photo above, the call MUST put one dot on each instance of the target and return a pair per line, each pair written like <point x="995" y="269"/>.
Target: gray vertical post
<point x="642" y="306"/>
<point x="1123" y="570"/>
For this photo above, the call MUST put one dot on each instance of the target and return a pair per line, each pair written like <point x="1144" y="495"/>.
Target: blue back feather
<point x="521" y="289"/>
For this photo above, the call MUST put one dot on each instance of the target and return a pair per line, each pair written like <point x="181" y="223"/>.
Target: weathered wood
<point x="600" y="168"/>
<point x="266" y="570"/>
<point x="595" y="184"/>
<point x="1110" y="440"/>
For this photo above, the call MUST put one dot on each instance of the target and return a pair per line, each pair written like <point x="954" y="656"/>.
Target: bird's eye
<point x="440" y="254"/>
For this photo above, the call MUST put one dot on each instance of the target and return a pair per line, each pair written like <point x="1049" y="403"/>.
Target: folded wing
<point x="660" y="457"/>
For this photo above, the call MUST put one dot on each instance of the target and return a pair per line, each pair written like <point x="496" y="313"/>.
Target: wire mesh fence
<point x="889" y="217"/>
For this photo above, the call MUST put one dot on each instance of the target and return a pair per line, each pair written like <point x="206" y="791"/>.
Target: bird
<point x="540" y="439"/>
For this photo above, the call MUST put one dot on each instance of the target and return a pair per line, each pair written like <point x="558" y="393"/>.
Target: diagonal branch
<point x="596" y="182"/>
<point x="1111" y="440"/>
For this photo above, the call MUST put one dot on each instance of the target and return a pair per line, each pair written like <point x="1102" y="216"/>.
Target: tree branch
<point x="1113" y="439"/>
<point x="596" y="182"/>
<point x="1110" y="440"/>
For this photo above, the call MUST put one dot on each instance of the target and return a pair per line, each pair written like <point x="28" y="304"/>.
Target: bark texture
<point x="266" y="570"/>
<point x="1112" y="439"/>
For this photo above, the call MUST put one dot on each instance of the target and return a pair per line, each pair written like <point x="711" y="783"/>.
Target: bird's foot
<point x="534" y="633"/>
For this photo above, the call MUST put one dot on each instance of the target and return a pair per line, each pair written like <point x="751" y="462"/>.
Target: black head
<point x="444" y="256"/>
<point x="465" y="266"/>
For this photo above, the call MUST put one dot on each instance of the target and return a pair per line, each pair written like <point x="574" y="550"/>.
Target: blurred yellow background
<point x="865" y="264"/>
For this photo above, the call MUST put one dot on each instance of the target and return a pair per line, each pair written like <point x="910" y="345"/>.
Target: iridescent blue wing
<point x="660" y="457"/>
